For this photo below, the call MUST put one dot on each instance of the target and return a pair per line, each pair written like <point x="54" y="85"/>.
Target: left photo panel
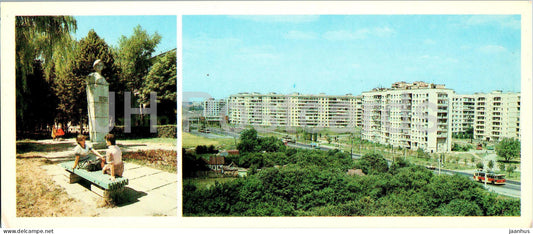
<point x="96" y="116"/>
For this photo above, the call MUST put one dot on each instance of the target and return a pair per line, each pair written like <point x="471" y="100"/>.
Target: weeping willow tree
<point x="37" y="40"/>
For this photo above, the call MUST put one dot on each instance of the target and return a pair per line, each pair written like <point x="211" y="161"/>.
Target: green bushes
<point x="461" y="148"/>
<point x="162" y="159"/>
<point x="250" y="142"/>
<point x="203" y="149"/>
<point x="167" y="131"/>
<point x="163" y="131"/>
<point x="315" y="183"/>
<point x="373" y="163"/>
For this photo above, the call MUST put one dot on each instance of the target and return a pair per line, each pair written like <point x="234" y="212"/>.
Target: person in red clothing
<point x="59" y="133"/>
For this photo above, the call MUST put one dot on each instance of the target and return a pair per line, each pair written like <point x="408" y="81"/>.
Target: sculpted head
<point x="98" y="65"/>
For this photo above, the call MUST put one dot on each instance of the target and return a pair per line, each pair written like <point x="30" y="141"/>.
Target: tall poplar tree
<point x="134" y="57"/>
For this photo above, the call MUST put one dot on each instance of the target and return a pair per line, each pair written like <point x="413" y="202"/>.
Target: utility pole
<point x="360" y="141"/>
<point x="351" y="147"/>
<point x="439" y="165"/>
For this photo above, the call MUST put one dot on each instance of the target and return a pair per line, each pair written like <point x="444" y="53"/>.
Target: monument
<point x="98" y="106"/>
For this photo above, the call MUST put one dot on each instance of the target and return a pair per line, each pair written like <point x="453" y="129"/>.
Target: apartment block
<point x="497" y="116"/>
<point x="214" y="109"/>
<point x="408" y="115"/>
<point x="294" y="110"/>
<point x="411" y="116"/>
<point x="463" y="110"/>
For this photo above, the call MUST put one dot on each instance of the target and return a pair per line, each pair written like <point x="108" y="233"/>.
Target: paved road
<point x="216" y="133"/>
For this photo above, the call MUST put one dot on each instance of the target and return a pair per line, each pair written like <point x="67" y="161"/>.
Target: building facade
<point x="410" y="116"/>
<point x="463" y="113"/>
<point x="414" y="115"/>
<point x="214" y="109"/>
<point x="294" y="110"/>
<point x="497" y="116"/>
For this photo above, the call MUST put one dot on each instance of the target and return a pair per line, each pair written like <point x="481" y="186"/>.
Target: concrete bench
<point x="101" y="184"/>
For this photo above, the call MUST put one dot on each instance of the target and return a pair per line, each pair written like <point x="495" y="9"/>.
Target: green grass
<point x="514" y="176"/>
<point x="167" y="141"/>
<point x="204" y="183"/>
<point x="162" y="167"/>
<point x="26" y="146"/>
<point x="269" y="134"/>
<point x="190" y="140"/>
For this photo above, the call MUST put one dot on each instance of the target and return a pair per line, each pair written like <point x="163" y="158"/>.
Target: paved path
<point x="150" y="192"/>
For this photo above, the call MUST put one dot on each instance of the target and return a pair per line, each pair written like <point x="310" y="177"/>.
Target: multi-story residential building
<point x="359" y="111"/>
<point x="497" y="116"/>
<point x="411" y="116"/>
<point x="462" y="114"/>
<point x="214" y="109"/>
<point x="293" y="110"/>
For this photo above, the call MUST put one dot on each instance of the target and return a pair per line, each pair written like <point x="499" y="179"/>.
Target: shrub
<point x="163" y="131"/>
<point x="461" y="148"/>
<point x="166" y="158"/>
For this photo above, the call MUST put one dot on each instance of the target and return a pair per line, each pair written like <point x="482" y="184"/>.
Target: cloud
<point x="299" y="35"/>
<point x="429" y="42"/>
<point x="258" y="54"/>
<point x="278" y="18"/>
<point x="204" y="43"/>
<point x="344" y="35"/>
<point x="383" y="31"/>
<point x="506" y="21"/>
<point x="491" y="49"/>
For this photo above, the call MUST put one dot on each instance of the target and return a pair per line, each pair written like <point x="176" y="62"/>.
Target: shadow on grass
<point x="25" y="147"/>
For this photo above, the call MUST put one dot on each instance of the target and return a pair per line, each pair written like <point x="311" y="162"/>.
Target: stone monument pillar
<point x="98" y="106"/>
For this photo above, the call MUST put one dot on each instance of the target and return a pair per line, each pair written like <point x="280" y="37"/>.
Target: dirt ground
<point x="39" y="196"/>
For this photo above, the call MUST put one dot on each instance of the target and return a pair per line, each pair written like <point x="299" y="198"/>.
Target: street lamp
<point x="440" y="157"/>
<point x="485" y="166"/>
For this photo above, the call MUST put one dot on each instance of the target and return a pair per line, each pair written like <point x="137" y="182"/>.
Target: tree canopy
<point x="71" y="88"/>
<point x="134" y="57"/>
<point x="51" y="68"/>
<point x="315" y="183"/>
<point x="37" y="38"/>
<point x="162" y="79"/>
<point x="508" y="149"/>
<point x="373" y="163"/>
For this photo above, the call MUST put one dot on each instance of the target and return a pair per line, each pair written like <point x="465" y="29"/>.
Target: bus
<point x="491" y="178"/>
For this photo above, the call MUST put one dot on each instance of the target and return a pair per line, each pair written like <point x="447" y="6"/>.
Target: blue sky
<point x="111" y="28"/>
<point x="335" y="54"/>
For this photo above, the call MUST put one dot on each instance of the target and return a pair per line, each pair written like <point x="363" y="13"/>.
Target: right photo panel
<point x="351" y="115"/>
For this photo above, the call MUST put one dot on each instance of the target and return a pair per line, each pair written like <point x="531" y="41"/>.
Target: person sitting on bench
<point x="82" y="150"/>
<point x="113" y="159"/>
